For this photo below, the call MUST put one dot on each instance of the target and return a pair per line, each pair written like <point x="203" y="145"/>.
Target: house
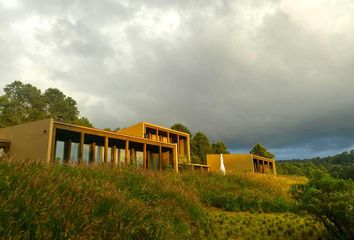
<point x="164" y="135"/>
<point x="241" y="163"/>
<point x="145" y="145"/>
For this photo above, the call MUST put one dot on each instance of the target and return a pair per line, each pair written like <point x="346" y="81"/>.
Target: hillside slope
<point x="61" y="202"/>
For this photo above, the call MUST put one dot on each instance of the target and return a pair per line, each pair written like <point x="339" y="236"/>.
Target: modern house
<point x="151" y="147"/>
<point x="144" y="145"/>
<point x="241" y="163"/>
<point x="164" y="135"/>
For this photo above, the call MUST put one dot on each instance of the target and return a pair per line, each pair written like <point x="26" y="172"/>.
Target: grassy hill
<point x="59" y="202"/>
<point x="340" y="165"/>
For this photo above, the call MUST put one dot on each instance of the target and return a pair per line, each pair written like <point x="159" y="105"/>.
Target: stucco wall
<point x="135" y="130"/>
<point x="232" y="162"/>
<point x="29" y="141"/>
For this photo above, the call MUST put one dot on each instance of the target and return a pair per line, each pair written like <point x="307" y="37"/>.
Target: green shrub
<point x="331" y="201"/>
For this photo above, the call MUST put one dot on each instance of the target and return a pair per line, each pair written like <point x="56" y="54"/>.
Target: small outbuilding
<point x="241" y="163"/>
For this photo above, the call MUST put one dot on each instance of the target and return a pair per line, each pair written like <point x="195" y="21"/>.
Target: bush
<point x="331" y="201"/>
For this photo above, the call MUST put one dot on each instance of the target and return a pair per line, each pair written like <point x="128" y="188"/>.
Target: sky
<point x="275" y="72"/>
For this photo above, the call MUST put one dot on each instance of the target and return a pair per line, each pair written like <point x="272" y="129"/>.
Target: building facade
<point x="241" y="163"/>
<point x="48" y="140"/>
<point x="143" y="145"/>
<point x="164" y="135"/>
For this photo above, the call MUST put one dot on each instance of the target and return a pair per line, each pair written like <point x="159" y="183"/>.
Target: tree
<point x="21" y="103"/>
<point x="331" y="201"/>
<point x="181" y="128"/>
<point x="219" y="147"/>
<point x="59" y="105"/>
<point x="24" y="102"/>
<point x="200" y="146"/>
<point x="261" y="151"/>
<point x="83" y="121"/>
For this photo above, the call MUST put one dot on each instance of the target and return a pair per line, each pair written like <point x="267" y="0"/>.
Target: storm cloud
<point x="275" y="72"/>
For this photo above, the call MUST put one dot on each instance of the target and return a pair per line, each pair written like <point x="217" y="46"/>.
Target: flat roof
<point x="165" y="128"/>
<point x="254" y="156"/>
<point x="111" y="133"/>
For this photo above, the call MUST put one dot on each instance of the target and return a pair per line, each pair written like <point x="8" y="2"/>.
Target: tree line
<point x="339" y="166"/>
<point x="24" y="103"/>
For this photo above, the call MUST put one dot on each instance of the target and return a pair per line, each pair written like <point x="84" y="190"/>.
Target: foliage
<point x="82" y="121"/>
<point x="21" y="103"/>
<point x="339" y="166"/>
<point x="180" y="127"/>
<point x="331" y="201"/>
<point x="104" y="202"/>
<point x="57" y="202"/>
<point x="57" y="104"/>
<point x="246" y="225"/>
<point x="200" y="146"/>
<point x="260" y="150"/>
<point x="219" y="147"/>
<point x="299" y="169"/>
<point x="24" y="102"/>
<point x="243" y="192"/>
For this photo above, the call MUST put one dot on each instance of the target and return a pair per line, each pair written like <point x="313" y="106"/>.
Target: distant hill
<point x="340" y="165"/>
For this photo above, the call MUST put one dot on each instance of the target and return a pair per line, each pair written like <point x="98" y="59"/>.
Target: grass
<point x="59" y="202"/>
<point x="56" y="202"/>
<point x="244" y="192"/>
<point x="245" y="225"/>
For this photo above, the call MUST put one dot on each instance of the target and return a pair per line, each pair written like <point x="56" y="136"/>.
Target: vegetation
<point x="180" y="127"/>
<point x="339" y="166"/>
<point x="331" y="201"/>
<point x="24" y="103"/>
<point x="246" y="225"/>
<point x="104" y="202"/>
<point x="243" y="192"/>
<point x="261" y="151"/>
<point x="219" y="147"/>
<point x="200" y="147"/>
<point x="58" y="202"/>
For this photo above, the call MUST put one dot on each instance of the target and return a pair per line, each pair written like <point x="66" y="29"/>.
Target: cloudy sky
<point x="244" y="71"/>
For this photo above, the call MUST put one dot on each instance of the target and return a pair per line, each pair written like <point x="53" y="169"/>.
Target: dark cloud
<point x="241" y="71"/>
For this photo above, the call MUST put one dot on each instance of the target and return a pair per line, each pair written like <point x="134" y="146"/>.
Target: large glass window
<point x="74" y="153"/>
<point x="59" y="153"/>
<point x="86" y="154"/>
<point x="154" y="163"/>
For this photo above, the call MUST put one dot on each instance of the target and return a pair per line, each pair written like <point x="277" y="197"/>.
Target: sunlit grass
<point x="245" y="225"/>
<point x="58" y="202"/>
<point x="103" y="202"/>
<point x="244" y="192"/>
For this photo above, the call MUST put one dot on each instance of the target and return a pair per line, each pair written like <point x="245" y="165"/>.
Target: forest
<point x="339" y="166"/>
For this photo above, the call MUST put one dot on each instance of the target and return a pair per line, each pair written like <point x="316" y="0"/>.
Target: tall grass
<point x="244" y="192"/>
<point x="58" y="202"/>
<point x="39" y="201"/>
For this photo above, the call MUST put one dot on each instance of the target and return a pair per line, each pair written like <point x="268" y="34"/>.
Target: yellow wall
<point x="140" y="128"/>
<point x="232" y="162"/>
<point x="30" y="141"/>
<point x="135" y="130"/>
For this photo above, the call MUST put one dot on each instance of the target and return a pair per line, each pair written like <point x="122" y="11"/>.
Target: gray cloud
<point x="241" y="71"/>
